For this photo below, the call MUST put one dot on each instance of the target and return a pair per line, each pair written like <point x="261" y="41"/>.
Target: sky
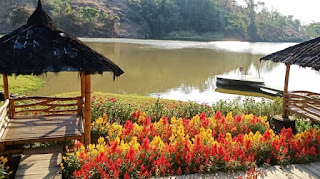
<point x="307" y="11"/>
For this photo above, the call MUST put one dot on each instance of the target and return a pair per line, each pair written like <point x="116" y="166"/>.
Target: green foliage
<point x="23" y="83"/>
<point x="122" y="110"/>
<point x="303" y="126"/>
<point x="19" y="16"/>
<point x="313" y="30"/>
<point x="176" y="19"/>
<point x="82" y="21"/>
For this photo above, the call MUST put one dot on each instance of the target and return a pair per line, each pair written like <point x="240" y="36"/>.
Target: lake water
<point x="182" y="70"/>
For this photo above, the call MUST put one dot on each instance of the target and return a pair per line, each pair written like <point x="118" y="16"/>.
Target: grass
<point x="127" y="98"/>
<point x="23" y="83"/>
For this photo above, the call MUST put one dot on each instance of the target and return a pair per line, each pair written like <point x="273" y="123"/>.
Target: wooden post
<point x="82" y="75"/>
<point x="5" y="86"/>
<point x="285" y="92"/>
<point x="87" y="108"/>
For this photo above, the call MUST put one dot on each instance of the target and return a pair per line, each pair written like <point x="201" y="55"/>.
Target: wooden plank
<point x="45" y="104"/>
<point x="265" y="173"/>
<point x="43" y="139"/>
<point x="34" y="165"/>
<point x="47" y="98"/>
<point x="311" y="169"/>
<point x="52" y="117"/>
<point x="316" y="165"/>
<point x="5" y="105"/>
<point x="87" y="126"/>
<point x="6" y="86"/>
<point x="51" y="175"/>
<point x="285" y="91"/>
<point x="286" y="173"/>
<point x="47" y="110"/>
<point x="301" y="172"/>
<point x="275" y="170"/>
<point x="41" y="163"/>
<point x="44" y="128"/>
<point x="82" y="84"/>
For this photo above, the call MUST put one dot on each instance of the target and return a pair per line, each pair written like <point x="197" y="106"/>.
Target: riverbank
<point x="23" y="84"/>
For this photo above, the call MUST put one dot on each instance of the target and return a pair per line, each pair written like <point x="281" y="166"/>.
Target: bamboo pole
<point x="5" y="86"/>
<point x="82" y="75"/>
<point x="87" y="108"/>
<point x="285" y="92"/>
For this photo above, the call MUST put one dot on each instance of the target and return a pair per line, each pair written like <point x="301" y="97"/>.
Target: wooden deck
<point x="295" y="171"/>
<point x="40" y="163"/>
<point x="40" y="119"/>
<point x="37" y="128"/>
<point x="306" y="104"/>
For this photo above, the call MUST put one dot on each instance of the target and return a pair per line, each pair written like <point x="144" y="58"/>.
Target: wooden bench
<point x="40" y="119"/>
<point x="304" y="103"/>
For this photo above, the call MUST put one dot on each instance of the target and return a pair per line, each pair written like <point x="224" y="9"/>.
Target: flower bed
<point x="179" y="146"/>
<point x="120" y="111"/>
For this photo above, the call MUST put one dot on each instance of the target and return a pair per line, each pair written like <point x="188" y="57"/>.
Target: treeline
<point x="169" y="19"/>
<point x="213" y="19"/>
<point x="80" y="21"/>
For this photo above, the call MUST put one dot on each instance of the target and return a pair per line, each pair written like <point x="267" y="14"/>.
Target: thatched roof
<point x="306" y="54"/>
<point x="39" y="47"/>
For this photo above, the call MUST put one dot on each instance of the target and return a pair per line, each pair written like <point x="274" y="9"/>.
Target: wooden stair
<point x="41" y="163"/>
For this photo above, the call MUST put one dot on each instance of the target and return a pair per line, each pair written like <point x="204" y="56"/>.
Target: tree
<point x="252" y="28"/>
<point x="313" y="29"/>
<point x="19" y="16"/>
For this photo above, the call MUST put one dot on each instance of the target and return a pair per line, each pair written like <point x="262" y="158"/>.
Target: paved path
<point x="44" y="163"/>
<point x="40" y="163"/>
<point x="295" y="171"/>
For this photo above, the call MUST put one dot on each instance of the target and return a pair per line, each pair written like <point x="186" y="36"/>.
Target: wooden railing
<point x="4" y="119"/>
<point x="46" y="106"/>
<point x="304" y="103"/>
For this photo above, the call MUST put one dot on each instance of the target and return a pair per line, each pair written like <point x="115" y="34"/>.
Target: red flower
<point x="146" y="144"/>
<point x="126" y="176"/>
<point x="218" y="115"/>
<point x="131" y="155"/>
<point x="268" y="160"/>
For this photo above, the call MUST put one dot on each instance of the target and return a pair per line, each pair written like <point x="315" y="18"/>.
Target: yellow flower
<point x="101" y="140"/>
<point x="157" y="142"/>
<point x="105" y="118"/>
<point x="61" y="165"/>
<point x="134" y="143"/>
<point x="171" y="139"/>
<point x="5" y="160"/>
<point x="229" y="117"/>
<point x="124" y="146"/>
<point x="157" y="172"/>
<point x="228" y="137"/>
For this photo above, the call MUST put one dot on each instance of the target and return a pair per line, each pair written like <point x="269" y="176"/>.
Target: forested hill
<point x="162" y="19"/>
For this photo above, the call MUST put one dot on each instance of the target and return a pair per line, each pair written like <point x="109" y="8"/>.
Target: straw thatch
<point x="306" y="54"/>
<point x="39" y="47"/>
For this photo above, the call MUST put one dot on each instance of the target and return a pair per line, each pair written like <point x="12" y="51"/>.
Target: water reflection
<point x="176" y="69"/>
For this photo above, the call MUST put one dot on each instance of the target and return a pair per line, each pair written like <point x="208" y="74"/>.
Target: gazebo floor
<point x="305" y="113"/>
<point x="39" y="128"/>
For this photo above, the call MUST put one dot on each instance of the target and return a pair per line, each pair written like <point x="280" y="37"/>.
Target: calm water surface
<point x="181" y="70"/>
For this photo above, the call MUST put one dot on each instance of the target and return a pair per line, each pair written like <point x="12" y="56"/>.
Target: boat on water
<point x="246" y="83"/>
<point x="241" y="80"/>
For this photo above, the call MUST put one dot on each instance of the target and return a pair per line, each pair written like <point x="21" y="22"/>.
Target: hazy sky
<point x="306" y="11"/>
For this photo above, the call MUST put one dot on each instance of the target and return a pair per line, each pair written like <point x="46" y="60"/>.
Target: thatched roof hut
<point x="306" y="54"/>
<point x="39" y="47"/>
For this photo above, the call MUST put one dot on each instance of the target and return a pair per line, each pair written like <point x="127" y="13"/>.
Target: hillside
<point x="118" y="8"/>
<point x="204" y="20"/>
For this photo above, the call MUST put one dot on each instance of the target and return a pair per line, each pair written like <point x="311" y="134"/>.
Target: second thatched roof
<point x="39" y="47"/>
<point x="306" y="54"/>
